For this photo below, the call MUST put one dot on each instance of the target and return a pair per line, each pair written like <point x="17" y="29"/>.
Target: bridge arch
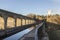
<point x="18" y="22"/>
<point x="23" y="22"/>
<point x="10" y="22"/>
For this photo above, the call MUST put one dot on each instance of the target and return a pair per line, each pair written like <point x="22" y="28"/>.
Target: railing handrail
<point x="36" y="32"/>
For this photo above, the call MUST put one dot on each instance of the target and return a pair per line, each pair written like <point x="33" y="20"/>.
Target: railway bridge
<point x="12" y="23"/>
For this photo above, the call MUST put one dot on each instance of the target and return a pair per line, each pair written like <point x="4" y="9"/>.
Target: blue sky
<point x="39" y="7"/>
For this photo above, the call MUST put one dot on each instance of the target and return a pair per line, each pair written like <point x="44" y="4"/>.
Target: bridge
<point x="12" y="23"/>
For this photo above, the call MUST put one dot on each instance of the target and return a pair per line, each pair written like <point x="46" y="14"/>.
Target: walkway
<point x="32" y="34"/>
<point x="29" y="36"/>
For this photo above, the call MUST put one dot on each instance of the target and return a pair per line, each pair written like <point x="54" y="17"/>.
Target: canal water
<point x="19" y="34"/>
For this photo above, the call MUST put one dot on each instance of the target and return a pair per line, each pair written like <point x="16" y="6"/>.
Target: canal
<point x="19" y="34"/>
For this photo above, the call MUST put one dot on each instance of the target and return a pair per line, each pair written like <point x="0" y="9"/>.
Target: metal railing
<point x="40" y="30"/>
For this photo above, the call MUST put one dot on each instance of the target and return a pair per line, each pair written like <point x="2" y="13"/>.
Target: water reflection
<point x="19" y="35"/>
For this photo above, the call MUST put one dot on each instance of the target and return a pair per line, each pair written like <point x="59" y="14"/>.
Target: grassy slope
<point x="54" y="21"/>
<point x="54" y="35"/>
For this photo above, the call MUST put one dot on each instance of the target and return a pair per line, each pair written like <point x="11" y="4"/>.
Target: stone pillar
<point x="25" y="21"/>
<point x="21" y="22"/>
<point x="15" y="21"/>
<point x="28" y="21"/>
<point x="5" y="21"/>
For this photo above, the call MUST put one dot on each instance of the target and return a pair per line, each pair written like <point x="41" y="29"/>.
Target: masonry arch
<point x="10" y="22"/>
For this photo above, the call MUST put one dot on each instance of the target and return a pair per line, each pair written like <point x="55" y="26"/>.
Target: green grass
<point x="54" y="35"/>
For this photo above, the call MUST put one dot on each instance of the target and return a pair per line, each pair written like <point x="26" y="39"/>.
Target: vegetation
<point x="52" y="25"/>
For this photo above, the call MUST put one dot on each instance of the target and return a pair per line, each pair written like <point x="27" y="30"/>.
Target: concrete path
<point x="45" y="37"/>
<point x="29" y="36"/>
<point x="32" y="35"/>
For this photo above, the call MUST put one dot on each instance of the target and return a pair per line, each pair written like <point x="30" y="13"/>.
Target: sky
<point x="24" y="7"/>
